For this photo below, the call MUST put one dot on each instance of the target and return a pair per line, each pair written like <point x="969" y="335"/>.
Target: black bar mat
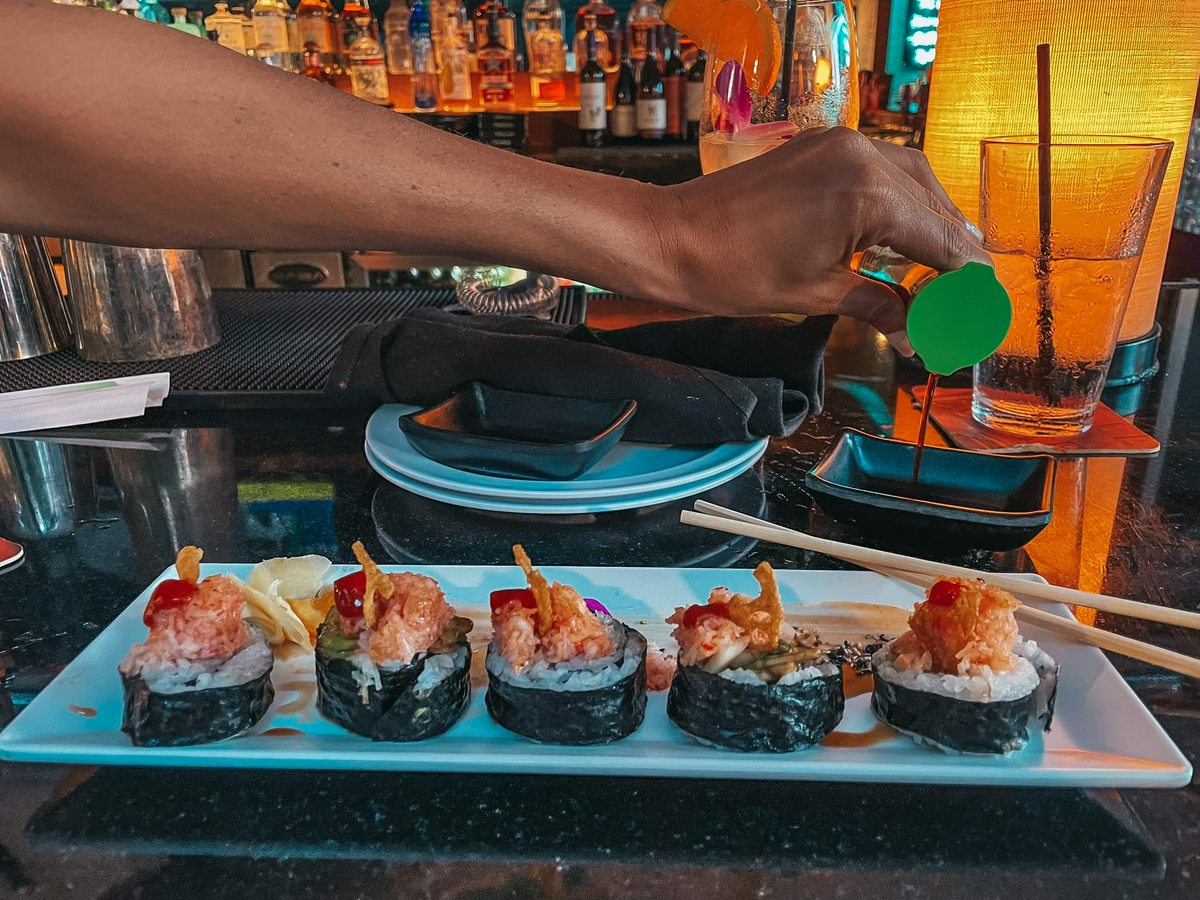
<point x="276" y="348"/>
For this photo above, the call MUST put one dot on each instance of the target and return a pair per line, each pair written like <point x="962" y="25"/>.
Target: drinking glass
<point x="817" y="83"/>
<point x="1069" y="283"/>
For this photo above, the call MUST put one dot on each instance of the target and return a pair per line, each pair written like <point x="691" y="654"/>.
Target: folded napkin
<point x="697" y="381"/>
<point x="81" y="403"/>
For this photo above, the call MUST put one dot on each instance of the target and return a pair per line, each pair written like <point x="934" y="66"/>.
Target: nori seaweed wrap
<point x="942" y="713"/>
<point x="745" y="681"/>
<point x="178" y="713"/>
<point x="410" y="702"/>
<point x="556" y="705"/>
<point x="775" y="718"/>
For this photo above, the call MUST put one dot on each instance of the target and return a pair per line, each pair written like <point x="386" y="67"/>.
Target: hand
<point x="775" y="234"/>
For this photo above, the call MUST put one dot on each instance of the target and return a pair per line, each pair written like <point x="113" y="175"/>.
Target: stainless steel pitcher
<point x="33" y="319"/>
<point x="136" y="304"/>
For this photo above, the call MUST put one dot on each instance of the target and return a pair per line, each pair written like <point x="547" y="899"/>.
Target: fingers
<point x="915" y="165"/>
<point x="874" y="303"/>
<point x="899" y="220"/>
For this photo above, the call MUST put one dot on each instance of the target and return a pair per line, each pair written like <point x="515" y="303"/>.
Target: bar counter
<point x="113" y="507"/>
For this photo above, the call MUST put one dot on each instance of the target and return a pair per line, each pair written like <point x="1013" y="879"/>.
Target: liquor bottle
<point x="229" y="28"/>
<point x="673" y="79"/>
<point x="270" y="25"/>
<point x="533" y="14"/>
<point x="247" y="23"/>
<point x="645" y="19"/>
<point x="314" y="22"/>
<point x="508" y="31"/>
<point x="651" y="99"/>
<point x="180" y="23"/>
<point x="420" y="39"/>
<point x="293" y="33"/>
<point x="609" y="26"/>
<point x="368" y="74"/>
<point x="312" y="66"/>
<point x="624" y="117"/>
<point x="152" y="11"/>
<point x="495" y="65"/>
<point x="356" y="19"/>
<point x="128" y="8"/>
<point x="605" y="52"/>
<point x="694" y="96"/>
<point x="455" y="66"/>
<point x="196" y="17"/>
<point x="547" y="59"/>
<point x="593" y="90"/>
<point x="395" y="33"/>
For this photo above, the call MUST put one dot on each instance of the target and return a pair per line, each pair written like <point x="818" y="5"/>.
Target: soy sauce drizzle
<point x="86" y="711"/>
<point x="926" y="406"/>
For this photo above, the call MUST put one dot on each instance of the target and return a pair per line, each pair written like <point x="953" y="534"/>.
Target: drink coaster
<point x="1110" y="435"/>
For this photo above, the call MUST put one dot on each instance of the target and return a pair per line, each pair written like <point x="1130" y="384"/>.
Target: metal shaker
<point x="134" y="304"/>
<point x="33" y="319"/>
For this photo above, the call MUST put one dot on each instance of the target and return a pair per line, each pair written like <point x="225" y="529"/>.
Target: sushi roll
<point x="748" y="681"/>
<point x="559" y="671"/>
<point x="962" y="679"/>
<point x="392" y="659"/>
<point x="204" y="673"/>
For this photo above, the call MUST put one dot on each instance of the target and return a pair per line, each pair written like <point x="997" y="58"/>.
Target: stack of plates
<point x="630" y="477"/>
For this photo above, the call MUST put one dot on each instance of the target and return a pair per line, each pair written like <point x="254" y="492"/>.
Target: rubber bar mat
<point x="277" y="347"/>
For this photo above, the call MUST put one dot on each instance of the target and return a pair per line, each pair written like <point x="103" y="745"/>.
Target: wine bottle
<point x="651" y="106"/>
<point x="624" y="117"/>
<point x="592" y="91"/>
<point x="694" y="96"/>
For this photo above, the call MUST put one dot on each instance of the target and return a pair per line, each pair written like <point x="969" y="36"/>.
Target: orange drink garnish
<point x="741" y="30"/>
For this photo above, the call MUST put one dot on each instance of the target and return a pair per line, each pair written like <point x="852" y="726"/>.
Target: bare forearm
<point x="142" y="136"/>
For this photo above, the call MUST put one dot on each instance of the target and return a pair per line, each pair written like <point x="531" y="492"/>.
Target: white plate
<point x="552" y="506"/>
<point x="627" y="470"/>
<point x="1103" y="736"/>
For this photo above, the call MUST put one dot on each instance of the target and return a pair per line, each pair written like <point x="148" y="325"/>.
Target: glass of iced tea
<point x="1068" y="267"/>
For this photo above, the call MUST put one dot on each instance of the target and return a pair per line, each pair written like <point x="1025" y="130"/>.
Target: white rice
<point x="439" y="667"/>
<point x="748" y="676"/>
<point x="982" y="686"/>
<point x="201" y="674"/>
<point x="575" y="675"/>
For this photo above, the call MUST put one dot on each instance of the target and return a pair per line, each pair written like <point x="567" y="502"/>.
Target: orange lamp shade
<point x="1117" y="68"/>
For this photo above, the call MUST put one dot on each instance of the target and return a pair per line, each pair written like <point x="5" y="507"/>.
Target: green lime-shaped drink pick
<point x="959" y="318"/>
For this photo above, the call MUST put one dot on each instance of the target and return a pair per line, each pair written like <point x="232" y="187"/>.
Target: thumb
<point x="876" y="304"/>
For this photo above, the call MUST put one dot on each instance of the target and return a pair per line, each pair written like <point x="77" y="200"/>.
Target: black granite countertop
<point x="101" y="517"/>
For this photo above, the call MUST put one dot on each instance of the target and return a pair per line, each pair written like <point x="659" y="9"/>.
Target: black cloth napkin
<point x="698" y="381"/>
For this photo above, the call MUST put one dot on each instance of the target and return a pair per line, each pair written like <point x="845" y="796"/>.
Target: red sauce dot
<point x="524" y="596"/>
<point x="693" y="615"/>
<point x="170" y="594"/>
<point x="944" y="593"/>
<point x="348" y="592"/>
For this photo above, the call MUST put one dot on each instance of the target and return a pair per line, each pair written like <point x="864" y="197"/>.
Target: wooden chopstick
<point x="731" y="522"/>
<point x="1084" y="634"/>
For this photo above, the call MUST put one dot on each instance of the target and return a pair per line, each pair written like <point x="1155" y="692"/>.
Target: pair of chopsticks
<point x="923" y="572"/>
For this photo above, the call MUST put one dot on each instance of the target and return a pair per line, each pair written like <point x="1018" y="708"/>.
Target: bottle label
<point x="368" y="80"/>
<point x="623" y="124"/>
<point x="652" y="114"/>
<point x="456" y="81"/>
<point x="695" y="100"/>
<point x="231" y="35"/>
<point x="271" y="30"/>
<point x="495" y="82"/>
<point x="315" y="30"/>
<point x="592" y="115"/>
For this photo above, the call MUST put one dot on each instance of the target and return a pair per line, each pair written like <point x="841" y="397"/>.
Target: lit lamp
<point x="1128" y="68"/>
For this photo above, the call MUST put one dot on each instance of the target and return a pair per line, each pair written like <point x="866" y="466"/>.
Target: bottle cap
<point x="959" y="318"/>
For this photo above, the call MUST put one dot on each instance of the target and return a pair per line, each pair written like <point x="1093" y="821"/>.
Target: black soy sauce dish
<point x="514" y="434"/>
<point x="962" y="500"/>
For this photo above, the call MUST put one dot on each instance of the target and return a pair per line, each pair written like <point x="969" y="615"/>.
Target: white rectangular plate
<point x="1102" y="737"/>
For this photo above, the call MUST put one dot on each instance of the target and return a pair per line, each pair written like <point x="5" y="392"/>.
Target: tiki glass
<point x="1068" y="259"/>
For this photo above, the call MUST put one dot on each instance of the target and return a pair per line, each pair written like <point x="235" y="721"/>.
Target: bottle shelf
<point x="400" y="87"/>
